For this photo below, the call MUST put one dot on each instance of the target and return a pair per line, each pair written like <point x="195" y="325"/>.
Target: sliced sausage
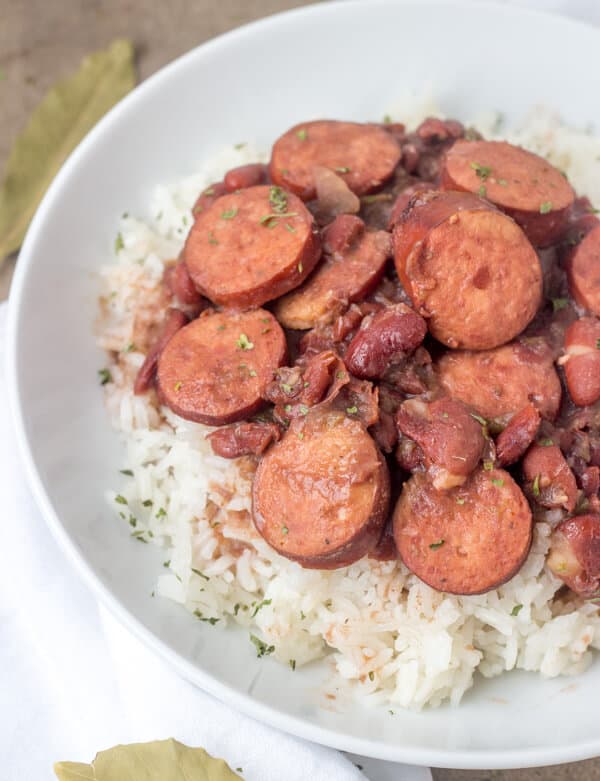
<point x="582" y="360"/>
<point x="583" y="271"/>
<point x="207" y="197"/>
<point x="215" y="370"/>
<point x="246" y="176"/>
<point x="520" y="432"/>
<point x="251" y="246"/>
<point x="243" y="439"/>
<point x="574" y="554"/>
<point x="525" y="186"/>
<point x="550" y="480"/>
<point x="339" y="280"/>
<point x="498" y="383"/>
<point x="146" y="374"/>
<point x="320" y="495"/>
<point x="450" y="438"/>
<point x="382" y="339"/>
<point x="403" y="200"/>
<point x="465" y="541"/>
<point x="363" y="155"/>
<point x="462" y="262"/>
<point x="180" y="283"/>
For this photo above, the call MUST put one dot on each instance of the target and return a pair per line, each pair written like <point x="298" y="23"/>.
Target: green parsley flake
<point x="488" y="465"/>
<point x="597" y="344"/>
<point x="371" y="676"/>
<point x="229" y="214"/>
<point x="351" y="410"/>
<point x="499" y="482"/>
<point x="343" y="169"/>
<point x="290" y="228"/>
<point x="167" y="564"/>
<point x="126" y="472"/>
<point x="482" y="192"/>
<point x="200" y="617"/>
<point x="130" y="348"/>
<point x="120" y="499"/>
<point x="535" y="487"/>
<point x="260" y="605"/>
<point x="545" y="207"/>
<point x="177" y="386"/>
<point x="302" y="134"/>
<point x="161" y="512"/>
<point x="262" y="649"/>
<point x="559" y="303"/>
<point x="211" y="238"/>
<point x="105" y="376"/>
<point x="284" y="529"/>
<point x="479" y="419"/>
<point x="241" y="145"/>
<point x="200" y="574"/>
<point x="244" y="343"/>
<point x="278" y="199"/>
<point x="147" y="503"/>
<point x="482" y="171"/>
<point x="119" y="243"/>
<point x="252" y="373"/>
<point x="292" y="664"/>
<point x="387" y="120"/>
<point x="436" y="545"/>
<point x="516" y="610"/>
<point x="460" y="500"/>
<point x="546" y="442"/>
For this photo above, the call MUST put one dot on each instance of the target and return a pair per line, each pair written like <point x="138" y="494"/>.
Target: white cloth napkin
<point x="73" y="681"/>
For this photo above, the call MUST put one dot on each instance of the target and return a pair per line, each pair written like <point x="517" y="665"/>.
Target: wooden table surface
<point x="43" y="40"/>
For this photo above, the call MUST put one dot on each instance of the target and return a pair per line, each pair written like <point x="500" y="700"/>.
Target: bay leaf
<point x="160" y="760"/>
<point x="64" y="116"/>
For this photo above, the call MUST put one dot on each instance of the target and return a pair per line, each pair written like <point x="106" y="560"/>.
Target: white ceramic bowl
<point x="342" y="60"/>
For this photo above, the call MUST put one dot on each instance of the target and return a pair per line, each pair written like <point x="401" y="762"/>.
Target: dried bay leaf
<point x="160" y="760"/>
<point x="64" y="116"/>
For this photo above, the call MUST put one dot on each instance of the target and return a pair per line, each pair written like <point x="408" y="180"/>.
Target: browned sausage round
<point x="582" y="360"/>
<point x="525" y="186"/>
<point x="498" y="383"/>
<point x="574" y="554"/>
<point x="462" y="262"/>
<point x="364" y="155"/>
<point x="465" y="541"/>
<point x="450" y="438"/>
<point x="215" y="370"/>
<point x="583" y="271"/>
<point x="147" y="371"/>
<point x="338" y="281"/>
<point x="321" y="494"/>
<point x="246" y="176"/>
<point x="251" y="246"/>
<point x="551" y="482"/>
<point x="383" y="338"/>
<point x="512" y="443"/>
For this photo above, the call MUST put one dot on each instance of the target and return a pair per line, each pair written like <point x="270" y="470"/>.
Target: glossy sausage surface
<point x="525" y="186"/>
<point x="321" y="494"/>
<point x="465" y="541"/>
<point x="462" y="261"/>
<point x="363" y="155"/>
<point x="251" y="246"/>
<point x="215" y="370"/>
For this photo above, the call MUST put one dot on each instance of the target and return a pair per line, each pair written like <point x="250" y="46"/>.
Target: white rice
<point x="391" y="638"/>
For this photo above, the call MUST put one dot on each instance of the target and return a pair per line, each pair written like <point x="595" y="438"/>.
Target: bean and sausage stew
<point x="403" y="329"/>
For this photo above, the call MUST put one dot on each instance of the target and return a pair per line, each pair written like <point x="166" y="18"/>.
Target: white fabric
<point x="73" y="681"/>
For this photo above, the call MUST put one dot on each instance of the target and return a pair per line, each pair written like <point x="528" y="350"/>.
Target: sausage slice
<point x="320" y="495"/>
<point x="465" y="541"/>
<point x="363" y="155"/>
<point x="339" y="280"/>
<point x="583" y="272"/>
<point x="498" y="383"/>
<point x="215" y="369"/>
<point x="582" y="360"/>
<point x="574" y="554"/>
<point x="251" y="246"/>
<point x="525" y="186"/>
<point x="462" y="262"/>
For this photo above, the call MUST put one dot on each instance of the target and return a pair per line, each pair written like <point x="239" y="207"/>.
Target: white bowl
<point x="342" y="60"/>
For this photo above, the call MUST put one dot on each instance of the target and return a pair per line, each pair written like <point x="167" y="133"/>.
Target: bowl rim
<point x="238" y="700"/>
